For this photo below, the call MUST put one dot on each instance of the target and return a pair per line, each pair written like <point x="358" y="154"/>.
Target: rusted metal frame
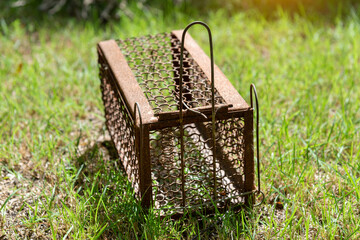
<point x="142" y="142"/>
<point x="115" y="85"/>
<point x="125" y="80"/>
<point x="230" y="109"/>
<point x="194" y="119"/>
<point x="222" y="84"/>
<point x="145" y="170"/>
<point x="206" y="110"/>
<point x="249" y="156"/>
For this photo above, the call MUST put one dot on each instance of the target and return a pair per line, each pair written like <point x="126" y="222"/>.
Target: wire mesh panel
<point x="120" y="125"/>
<point x="155" y="61"/>
<point x="177" y="154"/>
<point x="199" y="175"/>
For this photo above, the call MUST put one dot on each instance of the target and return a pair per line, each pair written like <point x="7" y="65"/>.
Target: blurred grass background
<point x="58" y="176"/>
<point x="106" y="10"/>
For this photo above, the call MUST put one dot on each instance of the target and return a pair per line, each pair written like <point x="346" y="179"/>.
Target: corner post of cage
<point x="213" y="112"/>
<point x="249" y="186"/>
<point x="143" y="148"/>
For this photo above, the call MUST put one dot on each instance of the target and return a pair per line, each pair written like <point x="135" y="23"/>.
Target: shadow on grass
<point x="118" y="214"/>
<point x="113" y="209"/>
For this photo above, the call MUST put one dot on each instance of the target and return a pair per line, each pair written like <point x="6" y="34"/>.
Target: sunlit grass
<point x="51" y="119"/>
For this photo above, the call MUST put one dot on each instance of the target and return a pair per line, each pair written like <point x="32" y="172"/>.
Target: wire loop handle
<point x="213" y="112"/>
<point x="137" y="107"/>
<point x="181" y="68"/>
<point x="253" y="90"/>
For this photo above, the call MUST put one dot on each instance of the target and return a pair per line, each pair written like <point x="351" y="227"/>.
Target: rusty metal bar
<point x="125" y="79"/>
<point x="253" y="89"/>
<point x="207" y="110"/>
<point x="249" y="155"/>
<point x="145" y="170"/>
<point x="194" y="118"/>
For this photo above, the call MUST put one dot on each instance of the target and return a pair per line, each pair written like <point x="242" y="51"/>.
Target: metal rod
<point x="137" y="107"/>
<point x="212" y="106"/>
<point x="253" y="89"/>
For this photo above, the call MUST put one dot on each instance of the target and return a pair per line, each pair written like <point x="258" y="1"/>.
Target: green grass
<point x="51" y="119"/>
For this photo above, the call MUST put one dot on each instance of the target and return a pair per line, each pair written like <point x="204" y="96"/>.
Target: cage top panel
<point x="153" y="62"/>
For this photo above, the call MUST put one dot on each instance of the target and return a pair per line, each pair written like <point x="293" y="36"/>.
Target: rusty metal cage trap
<point x="180" y="146"/>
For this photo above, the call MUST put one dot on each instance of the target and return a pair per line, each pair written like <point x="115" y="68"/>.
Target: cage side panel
<point x="119" y="124"/>
<point x="166" y="167"/>
<point x="229" y="153"/>
<point x="249" y="155"/>
<point x="167" y="174"/>
<point x="199" y="184"/>
<point x="230" y="149"/>
<point x="198" y="159"/>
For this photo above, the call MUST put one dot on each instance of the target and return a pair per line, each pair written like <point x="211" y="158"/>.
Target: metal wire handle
<point x="253" y="89"/>
<point x="137" y="107"/>
<point x="181" y="68"/>
<point x="213" y="112"/>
